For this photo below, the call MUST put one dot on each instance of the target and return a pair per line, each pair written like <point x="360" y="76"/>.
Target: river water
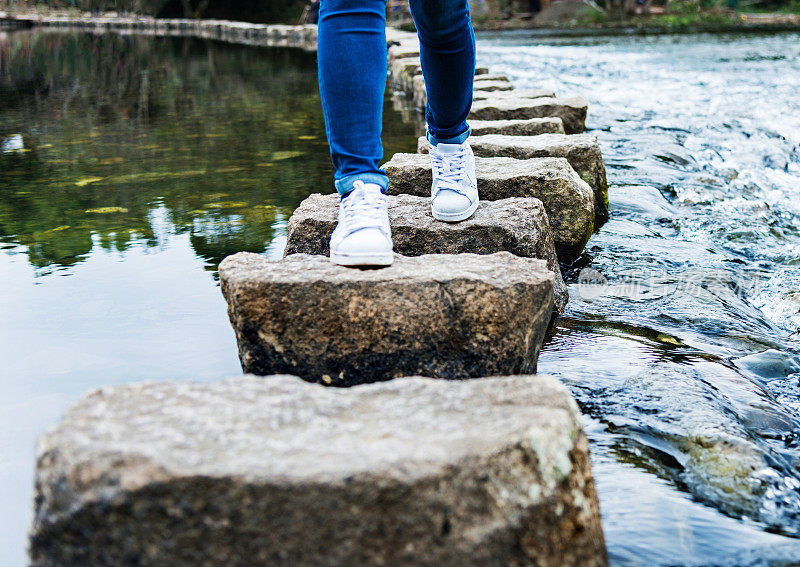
<point x="130" y="167"/>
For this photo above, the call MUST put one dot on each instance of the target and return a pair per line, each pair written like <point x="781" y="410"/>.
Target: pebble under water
<point x="680" y="340"/>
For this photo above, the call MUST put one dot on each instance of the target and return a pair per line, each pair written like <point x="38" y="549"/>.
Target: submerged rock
<point x="519" y="226"/>
<point x="581" y="150"/>
<point x="568" y="200"/>
<point x="529" y="127"/>
<point x="705" y="418"/>
<point x="437" y="315"/>
<point x="769" y="365"/>
<point x="571" y="110"/>
<point x="276" y="471"/>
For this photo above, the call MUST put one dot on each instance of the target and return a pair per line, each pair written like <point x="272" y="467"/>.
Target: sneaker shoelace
<point x="450" y="169"/>
<point x="363" y="208"/>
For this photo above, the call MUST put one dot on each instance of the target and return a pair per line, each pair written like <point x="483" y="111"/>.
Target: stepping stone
<point x="571" y="110"/>
<point x="404" y="50"/>
<point x="518" y="225"/>
<point x="491" y="77"/>
<point x="277" y="471"/>
<point x="492" y="86"/>
<point x="420" y="93"/>
<point x="581" y="150"/>
<point x="404" y="69"/>
<point x="437" y="315"/>
<point x="568" y="200"/>
<point x="530" y="127"/>
<point x="511" y="95"/>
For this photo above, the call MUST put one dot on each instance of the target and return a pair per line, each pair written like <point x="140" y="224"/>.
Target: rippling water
<point x="129" y="167"/>
<point x="681" y="338"/>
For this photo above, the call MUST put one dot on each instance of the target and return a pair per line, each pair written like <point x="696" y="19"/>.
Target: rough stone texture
<point x="276" y="471"/>
<point x="581" y="150"/>
<point x="404" y="69"/>
<point x="438" y="315"/>
<point x="492" y="86"/>
<point x="518" y="225"/>
<point x="481" y="90"/>
<point x="480" y="94"/>
<point x="568" y="200"/>
<point x="572" y="110"/>
<point x="491" y="77"/>
<point x="420" y="92"/>
<point x="530" y="127"/>
<point x="404" y="49"/>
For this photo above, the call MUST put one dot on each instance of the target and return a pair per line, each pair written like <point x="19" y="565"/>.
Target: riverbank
<point x="273" y="35"/>
<point x="248" y="32"/>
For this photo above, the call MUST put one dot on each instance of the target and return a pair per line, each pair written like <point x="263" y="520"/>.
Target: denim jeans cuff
<point x="345" y="184"/>
<point x="460" y="139"/>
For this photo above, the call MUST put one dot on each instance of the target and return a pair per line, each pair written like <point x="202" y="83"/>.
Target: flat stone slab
<point x="438" y="315"/>
<point x="404" y="49"/>
<point x="571" y="110"/>
<point x="530" y="127"/>
<point x="480" y="94"/>
<point x="277" y="471"/>
<point x="481" y="90"/>
<point x="581" y="151"/>
<point x="404" y="69"/>
<point x="518" y="225"/>
<point x="568" y="200"/>
<point x="491" y="77"/>
<point x="489" y="85"/>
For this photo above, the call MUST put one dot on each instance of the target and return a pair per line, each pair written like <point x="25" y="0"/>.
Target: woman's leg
<point x="351" y="54"/>
<point x="447" y="52"/>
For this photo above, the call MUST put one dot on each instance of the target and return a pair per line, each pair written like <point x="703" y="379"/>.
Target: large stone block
<point x="492" y="86"/>
<point x="491" y="77"/>
<point x="572" y="110"/>
<point x="479" y="94"/>
<point x="481" y="90"/>
<point x="518" y="225"/>
<point x="581" y="151"/>
<point x="568" y="200"/>
<point x="404" y="50"/>
<point x="438" y="315"/>
<point x="530" y="127"/>
<point x="276" y="471"/>
<point x="403" y="70"/>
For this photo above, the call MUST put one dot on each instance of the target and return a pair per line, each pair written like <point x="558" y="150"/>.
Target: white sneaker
<point x="363" y="236"/>
<point x="454" y="193"/>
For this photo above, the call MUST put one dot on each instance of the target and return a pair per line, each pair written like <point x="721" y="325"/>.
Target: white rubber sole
<point x="456" y="217"/>
<point x="370" y="259"/>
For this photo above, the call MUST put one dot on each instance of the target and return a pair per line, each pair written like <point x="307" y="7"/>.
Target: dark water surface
<point x="130" y="167"/>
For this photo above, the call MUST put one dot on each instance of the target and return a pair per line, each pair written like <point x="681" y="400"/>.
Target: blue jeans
<point x="351" y="54"/>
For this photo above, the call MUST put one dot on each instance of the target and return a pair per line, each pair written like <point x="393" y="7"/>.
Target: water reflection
<point x="98" y="131"/>
<point x="132" y="166"/>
